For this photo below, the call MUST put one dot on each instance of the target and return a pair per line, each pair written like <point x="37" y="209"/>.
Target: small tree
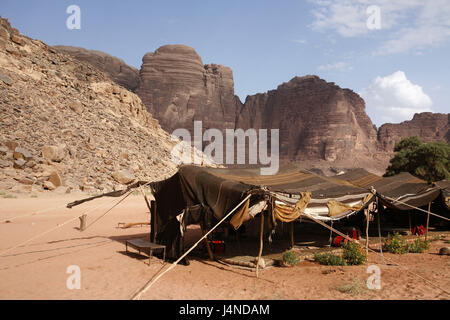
<point x="428" y="161"/>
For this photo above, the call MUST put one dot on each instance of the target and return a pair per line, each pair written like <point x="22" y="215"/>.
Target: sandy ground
<point x="38" y="270"/>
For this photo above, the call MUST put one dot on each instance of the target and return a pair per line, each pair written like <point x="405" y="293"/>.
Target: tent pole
<point x="367" y="231"/>
<point x="331" y="233"/>
<point x="147" y="203"/>
<point x="379" y="210"/>
<point x="428" y="221"/>
<point x="153" y="228"/>
<point x="83" y="222"/>
<point x="409" y="216"/>
<point x="260" y="243"/>
<point x="292" y="233"/>
<point x="208" y="247"/>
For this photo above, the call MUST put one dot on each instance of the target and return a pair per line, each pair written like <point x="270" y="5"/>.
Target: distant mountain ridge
<point x="318" y="121"/>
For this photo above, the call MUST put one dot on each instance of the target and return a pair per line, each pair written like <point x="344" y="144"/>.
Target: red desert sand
<point x="38" y="270"/>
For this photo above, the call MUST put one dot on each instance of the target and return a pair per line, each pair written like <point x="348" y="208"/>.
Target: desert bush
<point x="330" y="259"/>
<point x="9" y="196"/>
<point x="418" y="246"/>
<point x="353" y="253"/>
<point x="353" y="288"/>
<point x="436" y="238"/>
<point x="395" y="244"/>
<point x="291" y="258"/>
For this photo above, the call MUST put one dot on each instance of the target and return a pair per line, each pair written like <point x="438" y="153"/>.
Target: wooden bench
<point x="142" y="244"/>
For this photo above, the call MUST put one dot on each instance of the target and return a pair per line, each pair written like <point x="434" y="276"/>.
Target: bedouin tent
<point x="400" y="192"/>
<point x="200" y="195"/>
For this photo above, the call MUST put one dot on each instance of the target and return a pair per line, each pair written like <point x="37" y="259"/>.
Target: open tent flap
<point x="325" y="209"/>
<point x="402" y="187"/>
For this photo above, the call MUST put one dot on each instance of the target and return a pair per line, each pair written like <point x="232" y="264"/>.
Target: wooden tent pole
<point x="410" y="226"/>
<point x="428" y="221"/>
<point x="367" y="231"/>
<point x="148" y="206"/>
<point x="208" y="247"/>
<point x="83" y="222"/>
<point x="260" y="243"/>
<point x="292" y="234"/>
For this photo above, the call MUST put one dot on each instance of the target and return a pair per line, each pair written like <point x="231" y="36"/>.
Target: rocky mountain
<point x="317" y="120"/>
<point x="67" y="126"/>
<point x="320" y="123"/>
<point x="428" y="126"/>
<point x="115" y="68"/>
<point x="177" y="88"/>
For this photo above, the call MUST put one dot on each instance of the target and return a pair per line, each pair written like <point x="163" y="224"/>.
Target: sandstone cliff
<point x="317" y="120"/>
<point x="428" y="126"/>
<point x="320" y="123"/>
<point x="177" y="89"/>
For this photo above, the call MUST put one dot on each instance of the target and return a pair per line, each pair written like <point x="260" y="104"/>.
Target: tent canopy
<point x="199" y="195"/>
<point x="403" y="187"/>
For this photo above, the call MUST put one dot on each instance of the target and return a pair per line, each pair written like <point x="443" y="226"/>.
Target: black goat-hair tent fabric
<point x="205" y="195"/>
<point x="445" y="192"/>
<point x="204" y="198"/>
<point x="403" y="187"/>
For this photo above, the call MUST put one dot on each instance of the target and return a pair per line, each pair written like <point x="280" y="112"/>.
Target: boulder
<point x="48" y="185"/>
<point x="19" y="164"/>
<point x="444" y="251"/>
<point x="5" y="163"/>
<point x="3" y="150"/>
<point x="6" y="79"/>
<point x="26" y="181"/>
<point x="54" y="153"/>
<point x="76" y="106"/>
<point x="55" y="179"/>
<point x="16" y="39"/>
<point x="21" y="153"/>
<point x="123" y="176"/>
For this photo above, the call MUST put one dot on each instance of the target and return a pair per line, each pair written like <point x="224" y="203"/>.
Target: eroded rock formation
<point x="428" y="126"/>
<point x="177" y="89"/>
<point x="319" y="122"/>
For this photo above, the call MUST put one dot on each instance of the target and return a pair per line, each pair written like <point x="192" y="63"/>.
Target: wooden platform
<point x="143" y="245"/>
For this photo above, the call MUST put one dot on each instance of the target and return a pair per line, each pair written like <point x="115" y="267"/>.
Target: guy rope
<point x="147" y="286"/>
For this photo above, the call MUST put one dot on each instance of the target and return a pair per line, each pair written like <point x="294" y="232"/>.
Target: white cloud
<point x="394" y="98"/>
<point x="300" y="41"/>
<point x="409" y="24"/>
<point x="337" y="66"/>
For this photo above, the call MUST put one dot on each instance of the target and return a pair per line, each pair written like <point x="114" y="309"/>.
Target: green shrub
<point x="418" y="246"/>
<point x="291" y="258"/>
<point x="353" y="253"/>
<point x="330" y="259"/>
<point x="395" y="244"/>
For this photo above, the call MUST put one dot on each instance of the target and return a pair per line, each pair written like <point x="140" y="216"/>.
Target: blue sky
<point x="399" y="67"/>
